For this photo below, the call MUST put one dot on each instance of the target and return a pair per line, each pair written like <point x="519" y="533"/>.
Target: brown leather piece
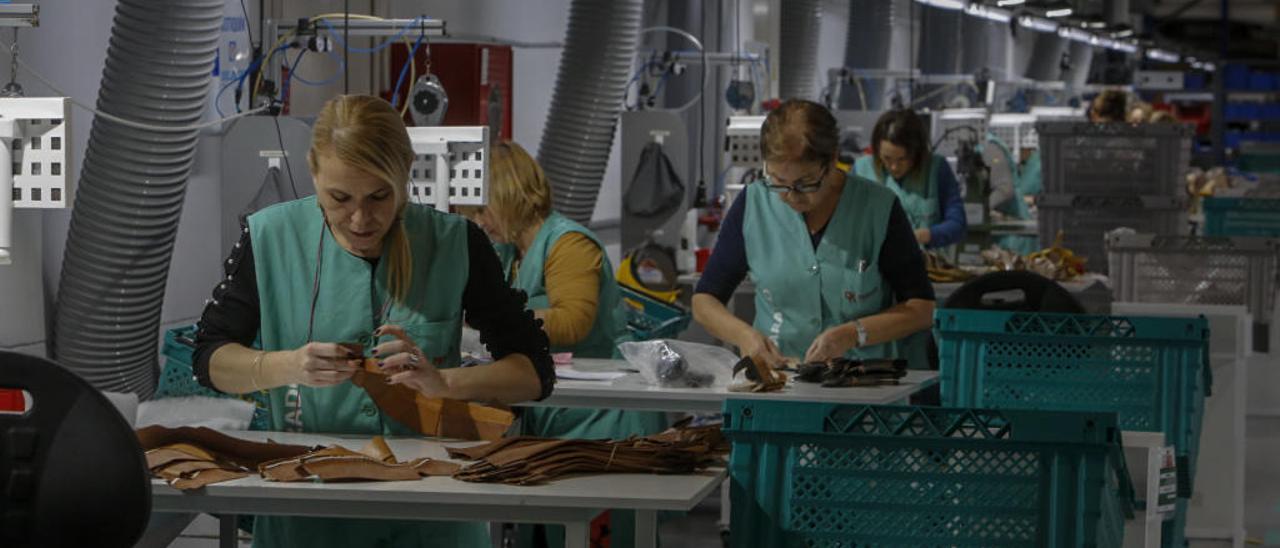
<point x="241" y="452"/>
<point x="760" y="377"/>
<point x="336" y="463"/>
<point x="206" y="477"/>
<point x="433" y="417"/>
<point x="191" y="458"/>
<point x="529" y="460"/>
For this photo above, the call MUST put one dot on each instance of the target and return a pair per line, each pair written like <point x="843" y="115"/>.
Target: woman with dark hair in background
<point x="902" y="160"/>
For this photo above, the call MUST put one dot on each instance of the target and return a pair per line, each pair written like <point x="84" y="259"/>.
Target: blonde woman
<point x="358" y="263"/>
<point x="562" y="266"/>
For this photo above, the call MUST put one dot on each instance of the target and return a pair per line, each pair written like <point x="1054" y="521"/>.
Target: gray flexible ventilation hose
<point x="799" y="35"/>
<point x="1081" y="55"/>
<point x="1046" y="57"/>
<point x="867" y="42"/>
<point x="131" y="191"/>
<point x="590" y="88"/>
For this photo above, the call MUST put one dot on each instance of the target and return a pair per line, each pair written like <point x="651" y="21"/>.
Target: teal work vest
<point x="1030" y="182"/>
<point x="800" y="291"/>
<point x="294" y="255"/>
<point x="1015" y="208"/>
<point x="610" y="326"/>
<point x="918" y="196"/>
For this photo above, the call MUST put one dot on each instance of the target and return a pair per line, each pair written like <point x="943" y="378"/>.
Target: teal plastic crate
<point x="1242" y="217"/>
<point x="824" y="474"/>
<point x="1152" y="372"/>
<point x="649" y="318"/>
<point x="178" y="379"/>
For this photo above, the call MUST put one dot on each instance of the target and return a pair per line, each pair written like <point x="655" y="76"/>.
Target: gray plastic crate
<point x="1085" y="221"/>
<point x="1114" y="159"/>
<point x="1146" y="268"/>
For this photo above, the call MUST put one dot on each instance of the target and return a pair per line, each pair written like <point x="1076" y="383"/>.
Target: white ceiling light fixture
<point x="990" y="14"/>
<point x="1156" y="54"/>
<point x="1059" y="12"/>
<point x="1036" y="23"/>
<point x="945" y="4"/>
<point x="1077" y="35"/>
<point x="1007" y="3"/>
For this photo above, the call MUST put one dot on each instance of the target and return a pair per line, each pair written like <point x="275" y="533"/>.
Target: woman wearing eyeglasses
<point x="358" y="263"/>
<point x="835" y="264"/>
<point x="901" y="159"/>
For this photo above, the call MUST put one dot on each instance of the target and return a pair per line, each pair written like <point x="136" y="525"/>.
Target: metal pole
<point x="1219" y="125"/>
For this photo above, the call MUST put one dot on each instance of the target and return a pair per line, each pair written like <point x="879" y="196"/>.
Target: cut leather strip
<point x="245" y="453"/>
<point x="181" y="468"/>
<point x="378" y="450"/>
<point x="207" y="477"/>
<point x="433" y="417"/>
<point x="530" y="461"/>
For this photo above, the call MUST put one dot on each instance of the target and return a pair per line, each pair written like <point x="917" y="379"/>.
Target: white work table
<point x="572" y="501"/>
<point x="632" y="393"/>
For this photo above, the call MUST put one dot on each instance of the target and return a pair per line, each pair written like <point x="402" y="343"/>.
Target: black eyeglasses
<point x="800" y="187"/>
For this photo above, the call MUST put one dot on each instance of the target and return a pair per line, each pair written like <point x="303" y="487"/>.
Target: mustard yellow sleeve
<point x="572" y="277"/>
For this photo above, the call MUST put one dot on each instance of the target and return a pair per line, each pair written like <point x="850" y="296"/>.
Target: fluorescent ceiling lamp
<point x="1036" y="23"/>
<point x="1096" y="24"/>
<point x="1124" y="33"/>
<point x="945" y="4"/>
<point x="991" y="14"/>
<point x="1076" y="35"/>
<point x="1163" y="56"/>
<point x="1006" y="3"/>
<point x="1063" y="12"/>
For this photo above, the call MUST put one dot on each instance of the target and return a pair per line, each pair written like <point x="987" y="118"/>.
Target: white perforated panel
<point x="457" y="156"/>
<point x="41" y="157"/>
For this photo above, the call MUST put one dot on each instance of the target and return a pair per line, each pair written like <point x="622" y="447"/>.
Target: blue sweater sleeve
<point x="727" y="266"/>
<point x="953" y="225"/>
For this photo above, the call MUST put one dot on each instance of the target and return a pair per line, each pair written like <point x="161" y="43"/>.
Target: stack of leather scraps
<point x="842" y="372"/>
<point x="760" y="377"/>
<point x="375" y="462"/>
<point x="432" y="416"/>
<point x="941" y="270"/>
<point x="191" y="458"/>
<point x="526" y="460"/>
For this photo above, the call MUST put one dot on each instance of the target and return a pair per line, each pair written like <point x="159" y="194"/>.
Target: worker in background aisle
<point x="563" y="268"/>
<point x="358" y="263"/>
<point x="902" y="160"/>
<point x="1109" y="106"/>
<point x="836" y="266"/>
<point x="1011" y="201"/>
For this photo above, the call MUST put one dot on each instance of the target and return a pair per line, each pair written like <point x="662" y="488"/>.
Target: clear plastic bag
<point x="671" y="363"/>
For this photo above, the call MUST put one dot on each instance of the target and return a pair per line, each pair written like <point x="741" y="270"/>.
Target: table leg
<point x="646" y="529"/>
<point x="724" y="506"/>
<point x="577" y="534"/>
<point x="228" y="533"/>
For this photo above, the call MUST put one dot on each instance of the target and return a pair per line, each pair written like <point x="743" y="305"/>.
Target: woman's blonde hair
<point x="519" y="195"/>
<point x="365" y="133"/>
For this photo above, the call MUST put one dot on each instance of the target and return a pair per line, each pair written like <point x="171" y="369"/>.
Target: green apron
<point x="294" y="255"/>
<point x="1029" y="180"/>
<point x="918" y="196"/>
<point x="609" y="329"/>
<point x="800" y="291"/>
<point x="1015" y="208"/>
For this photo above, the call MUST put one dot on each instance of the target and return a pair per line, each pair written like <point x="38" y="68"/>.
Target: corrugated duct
<point x="131" y="191"/>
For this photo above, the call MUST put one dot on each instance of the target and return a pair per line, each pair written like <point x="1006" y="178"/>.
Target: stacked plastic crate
<point x="1198" y="270"/>
<point x="1099" y="177"/>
